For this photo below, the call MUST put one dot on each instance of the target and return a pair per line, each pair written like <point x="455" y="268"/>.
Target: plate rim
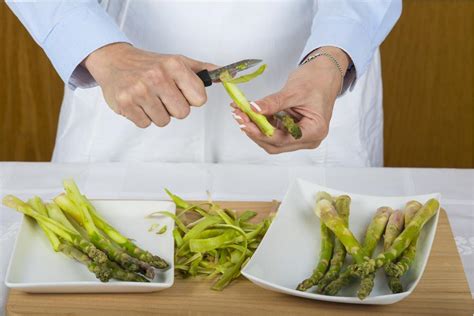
<point x="295" y="183"/>
<point x="24" y="286"/>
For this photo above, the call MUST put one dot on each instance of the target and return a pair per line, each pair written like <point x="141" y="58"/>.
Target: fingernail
<point x="236" y="116"/>
<point x="256" y="106"/>
<point x="242" y="126"/>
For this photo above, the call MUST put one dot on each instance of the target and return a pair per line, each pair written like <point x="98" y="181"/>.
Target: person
<point x="132" y="93"/>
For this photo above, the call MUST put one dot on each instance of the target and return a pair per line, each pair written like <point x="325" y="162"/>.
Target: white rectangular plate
<point x="290" y="249"/>
<point x="35" y="267"/>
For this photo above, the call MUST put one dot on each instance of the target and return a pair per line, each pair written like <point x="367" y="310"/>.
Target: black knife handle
<point x="205" y="77"/>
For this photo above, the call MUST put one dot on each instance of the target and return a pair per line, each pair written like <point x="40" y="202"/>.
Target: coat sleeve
<point x="357" y="27"/>
<point x="68" y="31"/>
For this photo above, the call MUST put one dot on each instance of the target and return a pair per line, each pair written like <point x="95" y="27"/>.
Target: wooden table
<point x="443" y="290"/>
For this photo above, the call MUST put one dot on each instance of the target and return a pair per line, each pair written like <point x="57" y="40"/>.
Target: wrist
<point x="331" y="63"/>
<point x="101" y="58"/>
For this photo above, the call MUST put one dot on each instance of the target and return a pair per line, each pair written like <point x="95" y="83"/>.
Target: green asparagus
<point x="339" y="253"/>
<point x="66" y="202"/>
<point x="114" y="252"/>
<point x="411" y="231"/>
<point x="373" y="235"/>
<point x="328" y="215"/>
<point x="77" y="240"/>
<point x="398" y="269"/>
<point x="393" y="229"/>
<point x="327" y="244"/>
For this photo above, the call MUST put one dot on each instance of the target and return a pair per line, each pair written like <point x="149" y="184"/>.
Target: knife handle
<point x="205" y="77"/>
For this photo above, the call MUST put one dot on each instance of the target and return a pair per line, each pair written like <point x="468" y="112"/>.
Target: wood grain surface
<point x="427" y="63"/>
<point x="443" y="290"/>
<point x="30" y="94"/>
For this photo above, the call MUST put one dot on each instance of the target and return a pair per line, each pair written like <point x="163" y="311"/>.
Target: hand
<point x="308" y="95"/>
<point x="147" y="87"/>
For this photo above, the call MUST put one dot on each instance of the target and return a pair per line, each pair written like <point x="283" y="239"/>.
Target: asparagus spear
<point x="38" y="206"/>
<point x="394" y="228"/>
<point x="115" y="271"/>
<point x="372" y="237"/>
<point x="396" y="270"/>
<point x="402" y="242"/>
<point x="114" y="252"/>
<point x="289" y="124"/>
<point x="77" y="240"/>
<point x="339" y="255"/>
<point x="133" y="250"/>
<point x="325" y="255"/>
<point x="239" y="98"/>
<point x="328" y="215"/>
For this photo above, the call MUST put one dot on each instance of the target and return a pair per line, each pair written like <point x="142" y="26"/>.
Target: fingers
<point x="137" y="116"/>
<point x="156" y="111"/>
<point x="173" y="100"/>
<point x="314" y="130"/>
<point x="273" y="103"/>
<point x="191" y="87"/>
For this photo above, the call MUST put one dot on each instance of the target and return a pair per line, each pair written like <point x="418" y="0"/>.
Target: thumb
<point x="272" y="103"/>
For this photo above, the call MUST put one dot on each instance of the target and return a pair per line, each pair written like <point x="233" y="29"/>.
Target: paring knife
<point x="208" y="77"/>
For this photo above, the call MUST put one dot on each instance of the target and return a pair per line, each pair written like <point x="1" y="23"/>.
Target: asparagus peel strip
<point x="217" y="244"/>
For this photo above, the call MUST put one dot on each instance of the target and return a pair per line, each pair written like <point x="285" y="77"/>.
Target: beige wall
<point x="428" y="88"/>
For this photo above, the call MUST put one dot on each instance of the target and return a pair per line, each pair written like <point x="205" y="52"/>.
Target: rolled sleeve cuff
<point x="348" y="35"/>
<point x="79" y="33"/>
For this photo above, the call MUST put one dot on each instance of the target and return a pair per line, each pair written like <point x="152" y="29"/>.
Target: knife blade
<point x="208" y="77"/>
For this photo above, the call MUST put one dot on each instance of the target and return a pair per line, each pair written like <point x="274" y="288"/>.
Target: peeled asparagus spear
<point x="114" y="270"/>
<point x="114" y="252"/>
<point x="373" y="235"/>
<point x="66" y="203"/>
<point x="103" y="271"/>
<point x="77" y="240"/>
<point x="339" y="253"/>
<point x="404" y="240"/>
<point x="393" y="229"/>
<point x="230" y="84"/>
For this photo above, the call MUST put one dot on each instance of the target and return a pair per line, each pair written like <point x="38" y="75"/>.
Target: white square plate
<point x="290" y="249"/>
<point x="35" y="267"/>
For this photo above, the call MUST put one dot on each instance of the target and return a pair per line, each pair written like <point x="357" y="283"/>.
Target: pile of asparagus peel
<point x="400" y="230"/>
<point x="75" y="228"/>
<point x="212" y="242"/>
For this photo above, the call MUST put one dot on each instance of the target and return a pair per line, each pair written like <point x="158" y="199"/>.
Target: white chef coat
<point x="280" y="32"/>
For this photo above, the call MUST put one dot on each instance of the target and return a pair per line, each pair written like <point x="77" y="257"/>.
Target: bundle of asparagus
<point x="213" y="242"/>
<point x="396" y="258"/>
<point x="85" y="236"/>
